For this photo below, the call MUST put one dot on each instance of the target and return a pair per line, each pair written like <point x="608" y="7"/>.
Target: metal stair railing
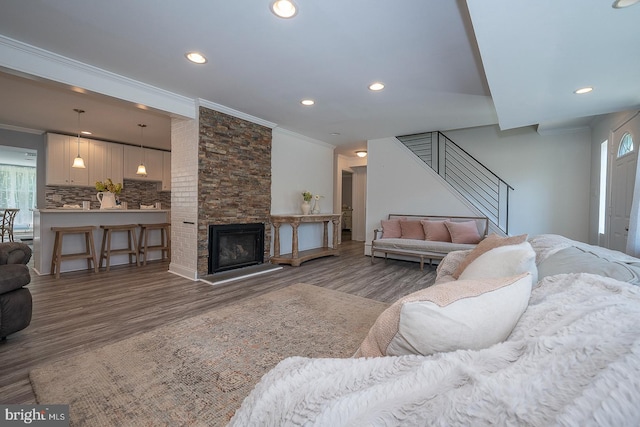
<point x="475" y="182"/>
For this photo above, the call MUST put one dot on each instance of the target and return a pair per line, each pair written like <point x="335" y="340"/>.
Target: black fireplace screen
<point x="235" y="246"/>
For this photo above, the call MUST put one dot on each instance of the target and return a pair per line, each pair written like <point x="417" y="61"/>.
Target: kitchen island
<point x="43" y="237"/>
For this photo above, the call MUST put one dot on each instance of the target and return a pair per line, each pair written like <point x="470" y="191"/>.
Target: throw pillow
<point x="503" y="261"/>
<point x="463" y="232"/>
<point x="412" y="230"/>
<point x="435" y="230"/>
<point x="463" y="314"/>
<point x="491" y="242"/>
<point x="391" y="228"/>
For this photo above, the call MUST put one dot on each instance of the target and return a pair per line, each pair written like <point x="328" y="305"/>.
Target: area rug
<point x="197" y="371"/>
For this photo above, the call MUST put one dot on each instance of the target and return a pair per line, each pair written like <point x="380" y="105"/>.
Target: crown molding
<point x="34" y="61"/>
<point x="21" y="129"/>
<point x="235" y="113"/>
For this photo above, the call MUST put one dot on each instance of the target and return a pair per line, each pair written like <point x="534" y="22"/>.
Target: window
<point x="626" y="145"/>
<point x="603" y="186"/>
<point x="18" y="190"/>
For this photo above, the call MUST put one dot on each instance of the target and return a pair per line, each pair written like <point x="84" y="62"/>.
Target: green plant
<point x="307" y="196"/>
<point x="109" y="186"/>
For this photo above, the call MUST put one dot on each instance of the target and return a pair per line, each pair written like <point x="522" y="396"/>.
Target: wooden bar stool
<point x="132" y="245"/>
<point x="165" y="240"/>
<point x="58" y="256"/>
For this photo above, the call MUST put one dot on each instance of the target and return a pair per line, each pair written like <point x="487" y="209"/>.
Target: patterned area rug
<point x="198" y="371"/>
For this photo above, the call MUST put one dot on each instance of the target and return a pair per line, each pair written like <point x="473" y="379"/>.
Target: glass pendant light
<point x="141" y="169"/>
<point x="78" y="162"/>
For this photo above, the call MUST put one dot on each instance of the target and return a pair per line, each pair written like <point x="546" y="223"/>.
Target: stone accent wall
<point x="133" y="192"/>
<point x="234" y="177"/>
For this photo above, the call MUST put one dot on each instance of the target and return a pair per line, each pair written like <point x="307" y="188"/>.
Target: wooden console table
<point x="295" y="258"/>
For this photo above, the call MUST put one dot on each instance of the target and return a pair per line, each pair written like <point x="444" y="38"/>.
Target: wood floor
<point x="86" y="310"/>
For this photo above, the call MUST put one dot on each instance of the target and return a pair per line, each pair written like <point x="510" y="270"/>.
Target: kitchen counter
<point x="43" y="237"/>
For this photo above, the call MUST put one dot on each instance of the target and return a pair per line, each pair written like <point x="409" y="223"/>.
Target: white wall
<point x="299" y="163"/>
<point x="550" y="174"/>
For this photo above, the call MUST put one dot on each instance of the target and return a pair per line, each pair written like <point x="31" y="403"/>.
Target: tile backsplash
<point x="133" y="192"/>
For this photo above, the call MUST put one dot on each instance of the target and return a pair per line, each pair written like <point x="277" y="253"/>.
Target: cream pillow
<point x="491" y="242"/>
<point x="463" y="314"/>
<point x="503" y="261"/>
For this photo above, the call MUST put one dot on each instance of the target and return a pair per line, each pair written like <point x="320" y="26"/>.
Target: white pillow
<point x="503" y="261"/>
<point x="463" y="314"/>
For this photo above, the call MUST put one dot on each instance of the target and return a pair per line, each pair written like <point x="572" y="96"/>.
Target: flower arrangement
<point x="109" y="186"/>
<point x="317" y="196"/>
<point x="307" y="196"/>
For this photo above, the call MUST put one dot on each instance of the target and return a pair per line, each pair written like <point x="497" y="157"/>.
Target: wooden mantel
<point x="295" y="258"/>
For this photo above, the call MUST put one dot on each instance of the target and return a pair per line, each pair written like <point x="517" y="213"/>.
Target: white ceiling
<point x="431" y="54"/>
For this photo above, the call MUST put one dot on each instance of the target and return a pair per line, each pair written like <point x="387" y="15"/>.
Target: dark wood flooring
<point x="85" y="310"/>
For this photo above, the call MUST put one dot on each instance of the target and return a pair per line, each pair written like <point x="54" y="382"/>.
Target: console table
<point x="295" y="258"/>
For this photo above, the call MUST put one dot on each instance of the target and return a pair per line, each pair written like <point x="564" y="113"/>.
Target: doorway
<point x="623" y="173"/>
<point x="347" y="205"/>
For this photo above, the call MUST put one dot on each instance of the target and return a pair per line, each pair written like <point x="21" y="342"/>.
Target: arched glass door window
<point x="626" y="144"/>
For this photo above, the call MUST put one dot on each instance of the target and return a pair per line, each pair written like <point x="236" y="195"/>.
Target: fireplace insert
<point x="234" y="246"/>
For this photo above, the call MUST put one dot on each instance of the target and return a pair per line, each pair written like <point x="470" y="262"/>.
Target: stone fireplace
<point x="233" y="246"/>
<point x="234" y="182"/>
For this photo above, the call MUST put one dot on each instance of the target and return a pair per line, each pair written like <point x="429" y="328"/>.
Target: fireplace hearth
<point x="233" y="246"/>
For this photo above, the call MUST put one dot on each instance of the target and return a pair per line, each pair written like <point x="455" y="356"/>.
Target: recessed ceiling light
<point x="583" y="90"/>
<point x="196" y="58"/>
<point x="284" y="8"/>
<point x="307" y="102"/>
<point x="85" y="132"/>
<point x="376" y="86"/>
<point x="619" y="4"/>
<point x="335" y="133"/>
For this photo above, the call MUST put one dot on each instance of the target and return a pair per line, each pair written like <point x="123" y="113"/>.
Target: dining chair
<point x="8" y="217"/>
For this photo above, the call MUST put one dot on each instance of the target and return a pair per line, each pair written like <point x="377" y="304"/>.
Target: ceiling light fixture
<point x="85" y="132"/>
<point x="583" y="90"/>
<point x="361" y="153"/>
<point x="196" y="58"/>
<point x="78" y="162"/>
<point x="284" y="8"/>
<point x="376" y="86"/>
<point x="141" y="169"/>
<point x="620" y="4"/>
<point x="307" y="102"/>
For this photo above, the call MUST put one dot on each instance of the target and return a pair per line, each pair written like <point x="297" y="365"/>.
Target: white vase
<point x="306" y="208"/>
<point x="316" y="207"/>
<point x="107" y="200"/>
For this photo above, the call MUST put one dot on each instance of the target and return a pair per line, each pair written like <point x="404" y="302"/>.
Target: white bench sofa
<point x="421" y="248"/>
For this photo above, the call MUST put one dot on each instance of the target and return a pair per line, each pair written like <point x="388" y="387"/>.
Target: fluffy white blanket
<point x="573" y="359"/>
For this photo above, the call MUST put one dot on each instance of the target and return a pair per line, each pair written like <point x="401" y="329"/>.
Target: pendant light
<point x="141" y="169"/>
<point x="78" y="162"/>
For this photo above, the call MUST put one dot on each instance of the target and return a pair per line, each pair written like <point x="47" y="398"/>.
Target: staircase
<point x="486" y="191"/>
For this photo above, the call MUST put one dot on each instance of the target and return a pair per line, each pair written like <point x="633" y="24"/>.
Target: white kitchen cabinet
<point x="105" y="161"/>
<point x="151" y="158"/>
<point x="61" y="151"/>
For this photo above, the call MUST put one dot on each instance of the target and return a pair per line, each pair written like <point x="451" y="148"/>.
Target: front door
<point x="622" y="181"/>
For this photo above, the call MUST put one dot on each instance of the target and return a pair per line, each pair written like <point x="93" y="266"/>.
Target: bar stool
<point x="132" y="245"/>
<point x="58" y="256"/>
<point x="165" y="240"/>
